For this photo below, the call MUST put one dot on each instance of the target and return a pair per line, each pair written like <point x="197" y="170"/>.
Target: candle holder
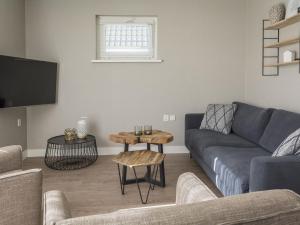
<point x="138" y="130"/>
<point x="147" y="129"/>
<point x="70" y="134"/>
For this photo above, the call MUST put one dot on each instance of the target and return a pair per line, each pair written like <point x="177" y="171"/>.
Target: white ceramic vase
<point x="82" y="127"/>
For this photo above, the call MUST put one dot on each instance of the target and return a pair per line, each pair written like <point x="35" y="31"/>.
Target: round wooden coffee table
<point x="158" y="138"/>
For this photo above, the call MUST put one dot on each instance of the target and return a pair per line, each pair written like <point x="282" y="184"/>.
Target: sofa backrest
<point x="250" y="121"/>
<point x="274" y="207"/>
<point x="281" y="125"/>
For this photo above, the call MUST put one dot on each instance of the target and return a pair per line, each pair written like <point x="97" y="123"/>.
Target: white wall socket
<point x="172" y="117"/>
<point x="166" y="118"/>
<point x="19" y="122"/>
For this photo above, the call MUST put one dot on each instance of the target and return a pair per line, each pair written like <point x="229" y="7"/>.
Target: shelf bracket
<point x="264" y="38"/>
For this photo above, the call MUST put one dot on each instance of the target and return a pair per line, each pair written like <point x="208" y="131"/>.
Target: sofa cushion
<point x="197" y="140"/>
<point x="281" y="125"/>
<point x="219" y="117"/>
<point x="232" y="167"/>
<point x="250" y="121"/>
<point x="290" y="146"/>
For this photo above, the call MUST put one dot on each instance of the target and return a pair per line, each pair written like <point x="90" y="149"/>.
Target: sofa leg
<point x="191" y="156"/>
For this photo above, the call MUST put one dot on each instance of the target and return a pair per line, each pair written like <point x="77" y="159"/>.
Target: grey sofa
<point x="241" y="161"/>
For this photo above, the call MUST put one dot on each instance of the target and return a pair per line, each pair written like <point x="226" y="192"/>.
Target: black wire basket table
<point x="70" y="155"/>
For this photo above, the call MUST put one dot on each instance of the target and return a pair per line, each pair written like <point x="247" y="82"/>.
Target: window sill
<point x="127" y="61"/>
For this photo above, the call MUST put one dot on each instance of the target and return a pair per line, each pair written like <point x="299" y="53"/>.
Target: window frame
<point x="101" y="20"/>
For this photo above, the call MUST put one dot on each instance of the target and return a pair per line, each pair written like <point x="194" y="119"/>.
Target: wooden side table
<point x="158" y="138"/>
<point x="133" y="159"/>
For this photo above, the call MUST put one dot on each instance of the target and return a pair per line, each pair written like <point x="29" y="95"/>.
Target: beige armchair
<point x="20" y="191"/>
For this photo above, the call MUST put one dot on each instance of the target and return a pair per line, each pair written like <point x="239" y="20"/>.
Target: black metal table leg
<point x="148" y="174"/>
<point x="151" y="186"/>
<point x="162" y="168"/>
<point x="124" y="171"/>
<point x="122" y="185"/>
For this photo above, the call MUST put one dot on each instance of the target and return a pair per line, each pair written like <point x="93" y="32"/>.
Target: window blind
<point x="126" y="37"/>
<point x="130" y="38"/>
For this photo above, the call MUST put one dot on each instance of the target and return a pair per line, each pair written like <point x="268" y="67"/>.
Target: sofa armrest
<point x="193" y="120"/>
<point x="190" y="189"/>
<point x="10" y="158"/>
<point x="56" y="207"/>
<point x="21" y="197"/>
<point x="268" y="172"/>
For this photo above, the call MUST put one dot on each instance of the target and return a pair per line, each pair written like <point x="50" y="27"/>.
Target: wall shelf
<point x="277" y="45"/>
<point x="284" y="43"/>
<point x="283" y="64"/>
<point x="284" y="23"/>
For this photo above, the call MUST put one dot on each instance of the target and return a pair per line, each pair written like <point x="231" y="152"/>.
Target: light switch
<point x="172" y="117"/>
<point x="166" y="118"/>
<point x="19" y="122"/>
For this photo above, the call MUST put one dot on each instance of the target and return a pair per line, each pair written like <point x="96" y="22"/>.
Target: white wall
<point x="201" y="42"/>
<point x="282" y="91"/>
<point x="12" y="42"/>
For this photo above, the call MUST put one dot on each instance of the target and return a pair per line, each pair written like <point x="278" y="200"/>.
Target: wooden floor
<point x="96" y="189"/>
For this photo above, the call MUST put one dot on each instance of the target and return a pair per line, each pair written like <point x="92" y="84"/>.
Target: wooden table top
<point x="157" y="137"/>
<point x="139" y="158"/>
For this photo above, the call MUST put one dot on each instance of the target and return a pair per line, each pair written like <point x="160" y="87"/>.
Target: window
<point x="126" y="38"/>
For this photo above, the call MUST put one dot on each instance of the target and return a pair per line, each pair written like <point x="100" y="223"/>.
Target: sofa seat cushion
<point x="232" y="167"/>
<point x="281" y="125"/>
<point x="250" y="121"/>
<point x="197" y="140"/>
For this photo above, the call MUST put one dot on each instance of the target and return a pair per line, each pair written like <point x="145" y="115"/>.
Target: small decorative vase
<point x="277" y="13"/>
<point x="82" y="128"/>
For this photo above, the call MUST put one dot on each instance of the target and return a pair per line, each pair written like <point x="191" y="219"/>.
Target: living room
<point x="178" y="90"/>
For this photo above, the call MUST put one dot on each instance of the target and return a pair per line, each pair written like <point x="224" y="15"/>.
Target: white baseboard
<point x="30" y="153"/>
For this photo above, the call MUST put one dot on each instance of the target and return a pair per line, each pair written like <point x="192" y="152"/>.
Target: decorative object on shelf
<point x="292" y="8"/>
<point x="147" y="129"/>
<point x="138" y="130"/>
<point x="82" y="127"/>
<point x="70" y="134"/>
<point x="277" y="13"/>
<point x="289" y="56"/>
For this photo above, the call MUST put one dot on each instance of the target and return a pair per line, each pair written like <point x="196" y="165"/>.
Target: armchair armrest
<point x="21" y="197"/>
<point x="193" y="120"/>
<point x="10" y="158"/>
<point x="56" y="207"/>
<point x="190" y="189"/>
<point x="275" y="173"/>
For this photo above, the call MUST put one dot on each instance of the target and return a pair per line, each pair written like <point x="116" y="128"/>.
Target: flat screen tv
<point x="25" y="82"/>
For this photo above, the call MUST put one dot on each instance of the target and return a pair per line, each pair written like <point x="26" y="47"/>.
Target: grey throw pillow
<point x="219" y="117"/>
<point x="290" y="146"/>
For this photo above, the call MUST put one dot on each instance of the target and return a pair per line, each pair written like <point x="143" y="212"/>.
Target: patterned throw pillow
<point x="290" y="146"/>
<point x="219" y="118"/>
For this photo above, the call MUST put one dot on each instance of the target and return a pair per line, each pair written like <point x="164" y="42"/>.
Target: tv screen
<point x="25" y="82"/>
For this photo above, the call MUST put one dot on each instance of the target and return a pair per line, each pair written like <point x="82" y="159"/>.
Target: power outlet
<point x="166" y="118"/>
<point x="172" y="117"/>
<point x="19" y="122"/>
